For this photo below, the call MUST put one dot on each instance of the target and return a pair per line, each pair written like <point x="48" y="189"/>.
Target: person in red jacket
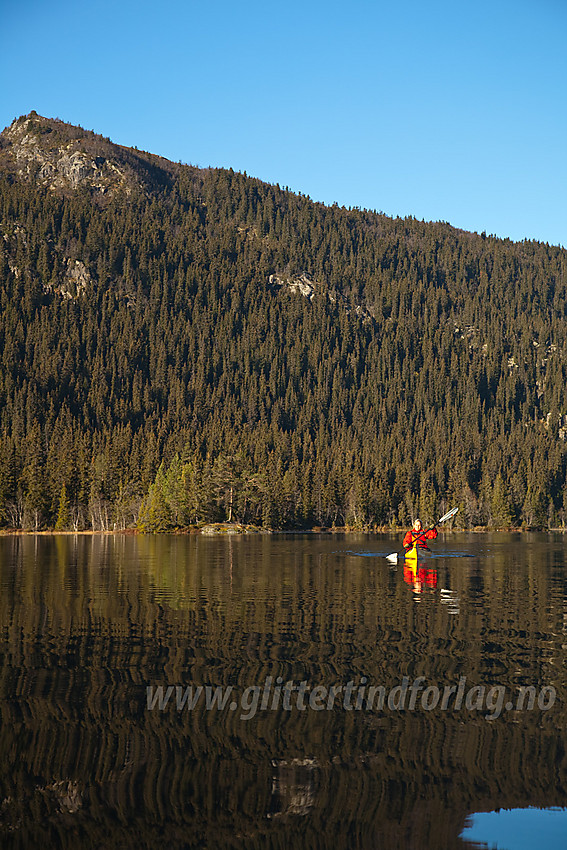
<point x="416" y="536"/>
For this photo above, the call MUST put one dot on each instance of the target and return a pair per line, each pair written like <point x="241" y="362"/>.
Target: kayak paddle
<point x="393" y="558"/>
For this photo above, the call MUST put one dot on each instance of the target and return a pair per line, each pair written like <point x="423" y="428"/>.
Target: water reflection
<point x="87" y="623"/>
<point x="420" y="578"/>
<point x="450" y="598"/>
<point x="518" y="829"/>
<point x="294" y="787"/>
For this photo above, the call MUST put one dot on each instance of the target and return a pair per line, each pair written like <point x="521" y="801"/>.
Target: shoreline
<point x="228" y="529"/>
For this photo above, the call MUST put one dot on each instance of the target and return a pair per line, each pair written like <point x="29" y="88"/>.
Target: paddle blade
<point x="393" y="558"/>
<point x="448" y="515"/>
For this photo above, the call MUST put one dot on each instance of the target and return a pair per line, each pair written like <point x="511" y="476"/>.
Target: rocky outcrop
<point x="63" y="157"/>
<point x="62" y="165"/>
<point x="302" y="284"/>
<point x="76" y="282"/>
<point x="309" y="288"/>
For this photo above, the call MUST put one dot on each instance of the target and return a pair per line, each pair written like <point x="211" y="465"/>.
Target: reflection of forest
<point x="88" y="623"/>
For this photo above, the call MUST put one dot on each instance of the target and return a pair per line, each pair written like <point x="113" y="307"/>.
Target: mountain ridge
<point x="208" y="345"/>
<point x="25" y="152"/>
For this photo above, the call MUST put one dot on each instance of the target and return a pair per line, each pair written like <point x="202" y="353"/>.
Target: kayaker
<point x="416" y="536"/>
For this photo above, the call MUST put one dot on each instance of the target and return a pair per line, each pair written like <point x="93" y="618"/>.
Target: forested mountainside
<point x="183" y="345"/>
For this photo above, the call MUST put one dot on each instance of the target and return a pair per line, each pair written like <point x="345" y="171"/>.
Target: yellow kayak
<point x="414" y="555"/>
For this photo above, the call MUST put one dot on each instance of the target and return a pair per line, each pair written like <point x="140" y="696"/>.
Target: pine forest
<point x="183" y="346"/>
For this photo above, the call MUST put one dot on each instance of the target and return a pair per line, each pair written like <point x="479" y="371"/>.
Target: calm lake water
<point x="372" y="706"/>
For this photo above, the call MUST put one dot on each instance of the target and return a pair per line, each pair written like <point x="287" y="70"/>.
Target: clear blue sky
<point x="444" y="110"/>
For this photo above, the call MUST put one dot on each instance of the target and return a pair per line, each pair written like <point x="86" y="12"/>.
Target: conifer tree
<point x="500" y="504"/>
<point x="63" y="517"/>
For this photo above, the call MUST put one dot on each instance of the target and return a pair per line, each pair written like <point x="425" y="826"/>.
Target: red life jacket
<point x="418" y="538"/>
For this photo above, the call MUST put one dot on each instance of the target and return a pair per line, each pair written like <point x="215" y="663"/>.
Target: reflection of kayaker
<point x="416" y="540"/>
<point x="419" y="578"/>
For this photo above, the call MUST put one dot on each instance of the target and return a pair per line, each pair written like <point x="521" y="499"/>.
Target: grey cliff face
<point x="61" y="164"/>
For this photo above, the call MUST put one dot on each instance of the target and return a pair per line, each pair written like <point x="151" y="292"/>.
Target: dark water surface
<point x="92" y="626"/>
